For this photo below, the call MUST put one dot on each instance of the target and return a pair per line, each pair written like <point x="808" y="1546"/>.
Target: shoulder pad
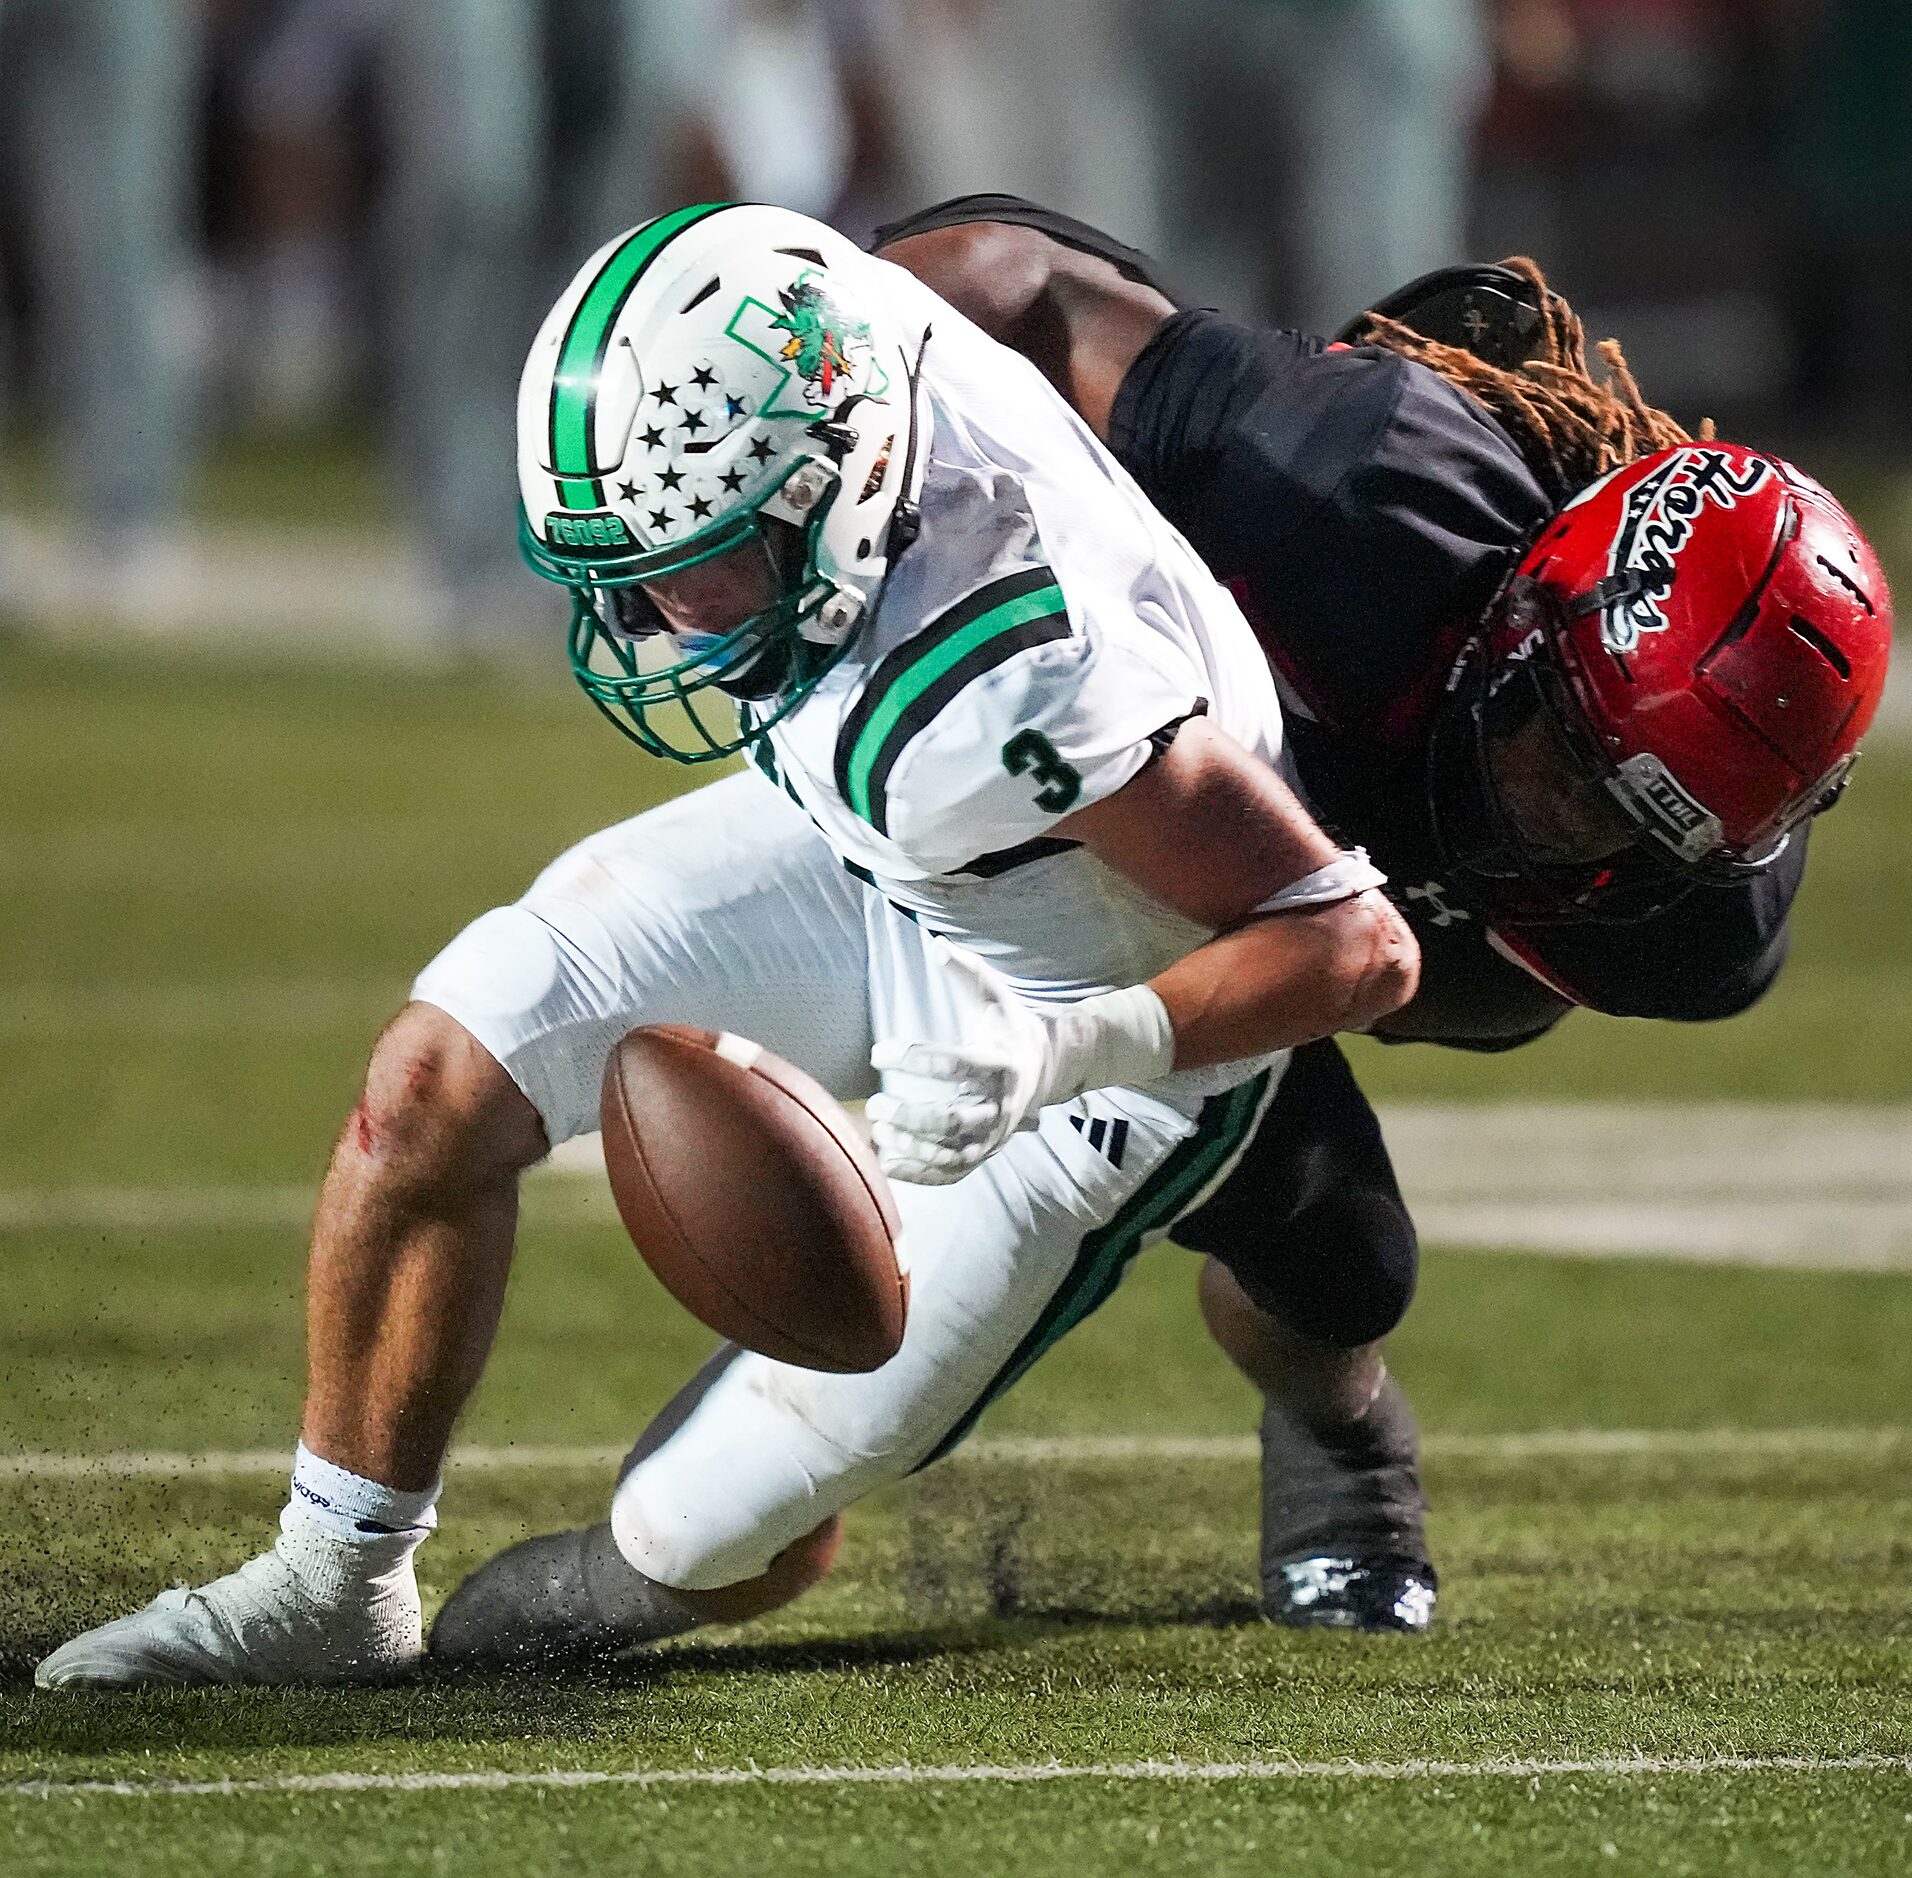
<point x="907" y="689"/>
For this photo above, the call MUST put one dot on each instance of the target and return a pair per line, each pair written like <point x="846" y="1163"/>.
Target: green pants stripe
<point x="1105" y="1254"/>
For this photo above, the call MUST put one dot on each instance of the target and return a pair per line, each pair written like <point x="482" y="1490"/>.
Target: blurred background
<point x="268" y="267"/>
<point x="280" y="710"/>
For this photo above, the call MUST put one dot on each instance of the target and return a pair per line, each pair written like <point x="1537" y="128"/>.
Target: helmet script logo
<point x="1659" y="522"/>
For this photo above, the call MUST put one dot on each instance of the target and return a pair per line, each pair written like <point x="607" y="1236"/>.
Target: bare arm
<point x="1212" y="832"/>
<point x="1073" y="314"/>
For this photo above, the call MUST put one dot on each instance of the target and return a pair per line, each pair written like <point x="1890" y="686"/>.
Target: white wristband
<point x="1116" y="1039"/>
<point x="1349" y="873"/>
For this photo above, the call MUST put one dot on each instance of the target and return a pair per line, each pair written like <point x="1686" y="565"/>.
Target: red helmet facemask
<point x="1675" y="677"/>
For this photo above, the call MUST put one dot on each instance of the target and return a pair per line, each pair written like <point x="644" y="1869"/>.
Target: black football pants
<point x="1312" y="1223"/>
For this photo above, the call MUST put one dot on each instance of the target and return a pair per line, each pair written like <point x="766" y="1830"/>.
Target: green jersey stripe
<point x="1227" y="1122"/>
<point x="574" y="384"/>
<point x="929" y="703"/>
<point x="876" y="686"/>
<point x="901" y="700"/>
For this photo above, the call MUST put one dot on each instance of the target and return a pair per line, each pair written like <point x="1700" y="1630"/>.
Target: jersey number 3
<point x="1030" y="753"/>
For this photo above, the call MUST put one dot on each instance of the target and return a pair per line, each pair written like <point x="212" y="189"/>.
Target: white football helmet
<point x="704" y="375"/>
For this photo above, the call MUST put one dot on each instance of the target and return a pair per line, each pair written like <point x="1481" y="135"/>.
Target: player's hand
<point x="946" y="1107"/>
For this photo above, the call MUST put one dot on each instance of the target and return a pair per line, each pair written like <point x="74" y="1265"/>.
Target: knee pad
<point x="1312" y="1223"/>
<point x="1341" y="1271"/>
<point x="754" y="1462"/>
<point x="724" y="1494"/>
<point x="698" y="1545"/>
<point x="504" y="964"/>
<point x="683" y="1543"/>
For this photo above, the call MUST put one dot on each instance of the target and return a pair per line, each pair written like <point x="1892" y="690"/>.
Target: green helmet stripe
<point x="574" y="385"/>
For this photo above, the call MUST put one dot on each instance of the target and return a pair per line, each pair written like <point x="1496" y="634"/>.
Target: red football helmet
<point x="1675" y="677"/>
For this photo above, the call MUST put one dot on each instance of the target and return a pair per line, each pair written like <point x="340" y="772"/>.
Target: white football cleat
<point x="313" y="1609"/>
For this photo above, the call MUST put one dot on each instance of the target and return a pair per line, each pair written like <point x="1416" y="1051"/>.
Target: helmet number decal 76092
<point x="586" y="534"/>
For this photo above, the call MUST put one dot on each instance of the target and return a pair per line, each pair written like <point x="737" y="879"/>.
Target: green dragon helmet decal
<point x="719" y="370"/>
<point x="821" y="335"/>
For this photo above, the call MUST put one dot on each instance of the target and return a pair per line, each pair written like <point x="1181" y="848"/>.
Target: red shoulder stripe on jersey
<point x="1517" y="954"/>
<point x="1277" y="654"/>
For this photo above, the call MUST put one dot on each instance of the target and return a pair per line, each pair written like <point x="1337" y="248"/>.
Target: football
<point x="750" y="1194"/>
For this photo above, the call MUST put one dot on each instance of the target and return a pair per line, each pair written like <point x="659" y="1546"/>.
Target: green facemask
<point x="672" y="693"/>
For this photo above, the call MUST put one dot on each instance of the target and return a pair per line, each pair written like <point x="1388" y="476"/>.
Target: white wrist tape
<point x="1117" y="1039"/>
<point x="1349" y="873"/>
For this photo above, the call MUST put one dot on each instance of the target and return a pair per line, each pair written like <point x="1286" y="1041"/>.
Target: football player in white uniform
<point x="1017" y="840"/>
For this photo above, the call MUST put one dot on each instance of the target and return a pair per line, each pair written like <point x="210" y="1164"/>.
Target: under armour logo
<point x="1436" y="897"/>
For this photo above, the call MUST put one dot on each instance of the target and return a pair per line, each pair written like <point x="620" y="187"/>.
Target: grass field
<point x="216" y="879"/>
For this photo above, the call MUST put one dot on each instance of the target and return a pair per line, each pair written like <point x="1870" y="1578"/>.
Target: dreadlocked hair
<point x="1570" y="427"/>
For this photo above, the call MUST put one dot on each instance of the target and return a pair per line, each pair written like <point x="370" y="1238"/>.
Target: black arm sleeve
<point x="1130" y="263"/>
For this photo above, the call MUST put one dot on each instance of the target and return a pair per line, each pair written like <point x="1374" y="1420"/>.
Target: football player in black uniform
<point x="1576" y="680"/>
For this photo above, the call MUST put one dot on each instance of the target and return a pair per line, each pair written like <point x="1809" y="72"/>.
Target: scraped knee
<point x="438" y="1111"/>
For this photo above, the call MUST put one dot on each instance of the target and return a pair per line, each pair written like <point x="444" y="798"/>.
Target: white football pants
<point x="726" y="909"/>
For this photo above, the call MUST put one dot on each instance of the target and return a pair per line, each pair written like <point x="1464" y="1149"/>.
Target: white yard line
<point x="1805" y="1184"/>
<point x="1702" y="1151"/>
<point x="186" y="1209"/>
<point x="1542" y="1444"/>
<point x="156" y="1209"/>
<point x="1809" y="1185"/>
<point x="171" y="1464"/>
<point x="1494" y="1767"/>
<point x="1036" y="1450"/>
<point x="350" y="591"/>
<point x="1832" y="1234"/>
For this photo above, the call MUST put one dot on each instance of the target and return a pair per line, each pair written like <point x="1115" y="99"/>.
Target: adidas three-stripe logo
<point x="1105" y="1136"/>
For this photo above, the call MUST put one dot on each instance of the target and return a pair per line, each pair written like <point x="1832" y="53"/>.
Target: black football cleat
<point x="1343" y="1520"/>
<point x="1373" y="1594"/>
<point x="560" y="1601"/>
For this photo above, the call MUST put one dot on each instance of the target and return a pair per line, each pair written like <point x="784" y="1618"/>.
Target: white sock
<point x="348" y="1507"/>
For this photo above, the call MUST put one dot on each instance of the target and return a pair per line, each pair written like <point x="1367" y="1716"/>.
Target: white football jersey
<point x="1045" y="623"/>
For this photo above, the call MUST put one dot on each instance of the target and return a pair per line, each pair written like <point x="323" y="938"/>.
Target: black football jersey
<point x="1365" y="511"/>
